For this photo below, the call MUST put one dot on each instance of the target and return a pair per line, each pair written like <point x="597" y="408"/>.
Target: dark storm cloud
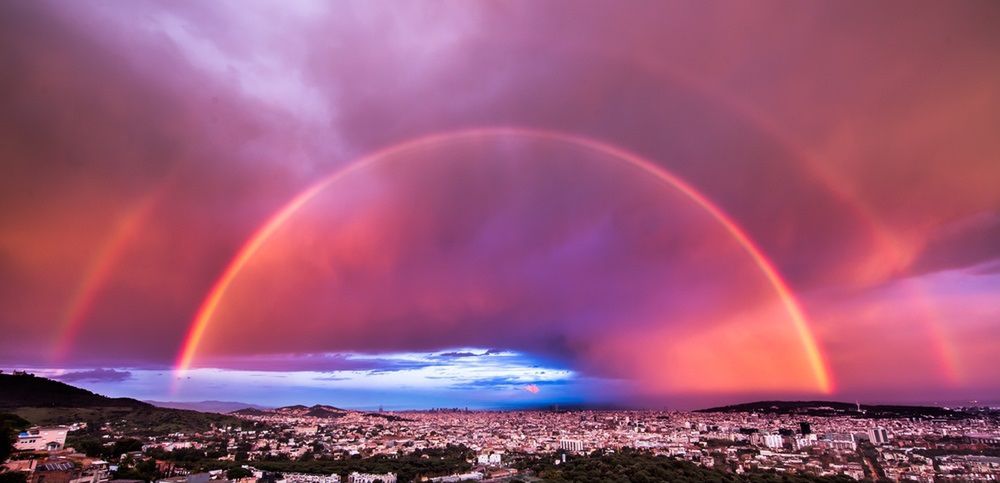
<point x="988" y="268"/>
<point x="461" y="354"/>
<point x="970" y="241"/>
<point x="90" y="132"/>
<point x="95" y="375"/>
<point x="326" y="362"/>
<point x="457" y="354"/>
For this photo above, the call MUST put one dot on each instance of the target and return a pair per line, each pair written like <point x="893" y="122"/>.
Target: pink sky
<point x="144" y="143"/>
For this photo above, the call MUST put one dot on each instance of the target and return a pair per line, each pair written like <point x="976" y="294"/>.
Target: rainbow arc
<point x="211" y="303"/>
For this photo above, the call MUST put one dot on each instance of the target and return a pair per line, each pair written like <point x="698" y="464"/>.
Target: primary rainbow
<point x="211" y="303"/>
<point x="892" y="248"/>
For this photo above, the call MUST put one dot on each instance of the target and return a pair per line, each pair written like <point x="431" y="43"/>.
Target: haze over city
<point x="502" y="205"/>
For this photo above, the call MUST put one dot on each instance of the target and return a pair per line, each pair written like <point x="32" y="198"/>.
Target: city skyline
<point x="492" y="205"/>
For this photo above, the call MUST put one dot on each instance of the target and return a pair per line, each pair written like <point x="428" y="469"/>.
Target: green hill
<point x="45" y="402"/>
<point x="834" y="408"/>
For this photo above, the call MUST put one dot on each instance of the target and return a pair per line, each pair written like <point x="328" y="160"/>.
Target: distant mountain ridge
<point x="836" y="408"/>
<point x="210" y="406"/>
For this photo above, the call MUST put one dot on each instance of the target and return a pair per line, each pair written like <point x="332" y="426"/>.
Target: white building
<point x="42" y="439"/>
<point x="471" y="476"/>
<point x="839" y="441"/>
<point x="175" y="445"/>
<point x="774" y="441"/>
<point x="371" y="478"/>
<point x="309" y="478"/>
<point x="805" y="441"/>
<point x="573" y="445"/>
<point x="492" y="459"/>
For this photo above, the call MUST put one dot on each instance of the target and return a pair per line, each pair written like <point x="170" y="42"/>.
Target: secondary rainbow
<point x="99" y="271"/>
<point x="203" y="317"/>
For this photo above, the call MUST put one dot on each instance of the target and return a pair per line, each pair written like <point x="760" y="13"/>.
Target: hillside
<point x="834" y="408"/>
<point x="320" y="411"/>
<point x="296" y="411"/>
<point x="250" y="412"/>
<point x="20" y="390"/>
<point x="45" y="401"/>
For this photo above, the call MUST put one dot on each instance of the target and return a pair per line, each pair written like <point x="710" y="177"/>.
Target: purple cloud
<point x="95" y="375"/>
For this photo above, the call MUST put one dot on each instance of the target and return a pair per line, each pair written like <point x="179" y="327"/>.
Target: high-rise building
<point x="804" y="441"/>
<point x="573" y="445"/>
<point x="878" y="436"/>
<point x="774" y="441"/>
<point x="839" y="441"/>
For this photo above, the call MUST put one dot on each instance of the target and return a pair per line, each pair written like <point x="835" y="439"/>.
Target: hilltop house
<point x="42" y="439"/>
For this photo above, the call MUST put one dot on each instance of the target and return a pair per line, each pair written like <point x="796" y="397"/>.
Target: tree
<point x="143" y="470"/>
<point x="10" y="425"/>
<point x="237" y="473"/>
<point x="13" y="477"/>
<point x="6" y="443"/>
<point x="123" y="446"/>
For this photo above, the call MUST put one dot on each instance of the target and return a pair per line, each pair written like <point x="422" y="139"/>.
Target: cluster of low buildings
<point x="60" y="466"/>
<point x="926" y="450"/>
<point x="51" y="462"/>
<point x="857" y="447"/>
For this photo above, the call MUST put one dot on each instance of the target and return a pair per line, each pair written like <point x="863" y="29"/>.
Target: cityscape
<point x="814" y="441"/>
<point x="512" y="241"/>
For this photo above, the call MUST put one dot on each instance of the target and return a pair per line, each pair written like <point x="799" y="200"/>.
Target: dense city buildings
<point x="853" y="446"/>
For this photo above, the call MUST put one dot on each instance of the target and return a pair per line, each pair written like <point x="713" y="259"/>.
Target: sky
<point x="502" y="204"/>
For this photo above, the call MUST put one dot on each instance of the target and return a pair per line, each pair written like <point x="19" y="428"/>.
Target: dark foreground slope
<point x="24" y="390"/>
<point x="45" y="401"/>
